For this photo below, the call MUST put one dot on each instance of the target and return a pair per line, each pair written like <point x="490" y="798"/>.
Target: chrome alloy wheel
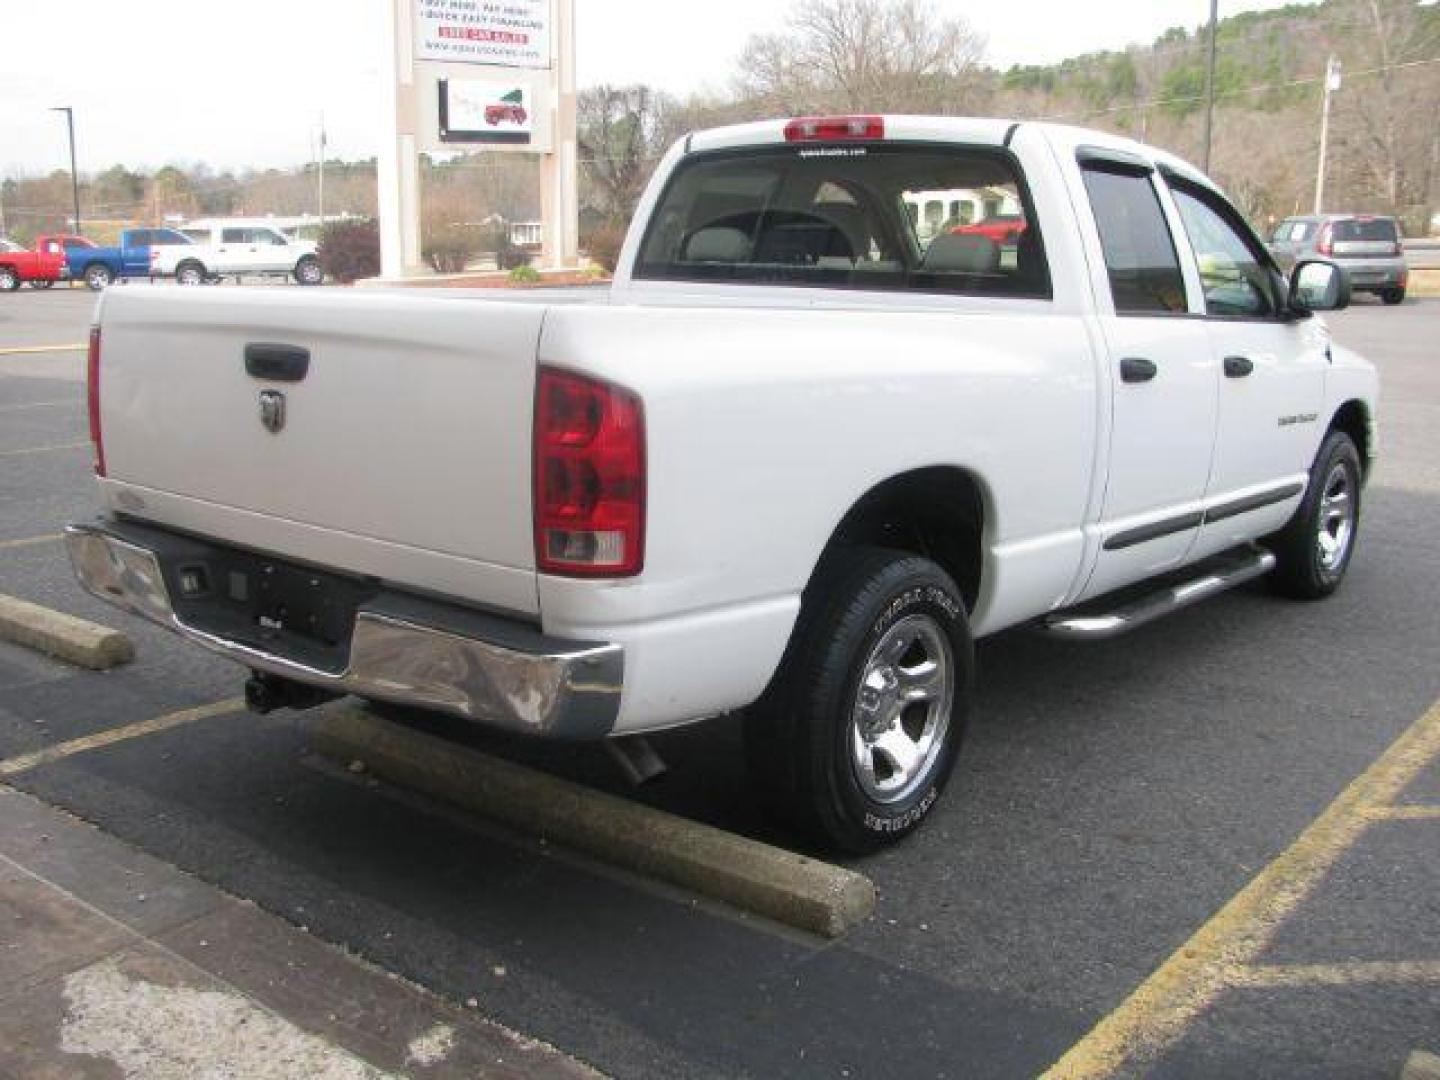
<point x="902" y="709"/>
<point x="1337" y="519"/>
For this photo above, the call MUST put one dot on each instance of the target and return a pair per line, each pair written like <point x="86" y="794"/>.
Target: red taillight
<point x="1324" y="245"/>
<point x="92" y="398"/>
<point x="589" y="477"/>
<point x="835" y="128"/>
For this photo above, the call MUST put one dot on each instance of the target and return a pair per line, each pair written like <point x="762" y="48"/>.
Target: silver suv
<point x="1369" y="248"/>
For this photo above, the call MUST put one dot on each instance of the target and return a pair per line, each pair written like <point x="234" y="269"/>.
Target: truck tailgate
<point x="404" y="451"/>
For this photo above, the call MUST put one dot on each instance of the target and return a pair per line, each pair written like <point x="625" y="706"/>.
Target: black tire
<point x="98" y="276"/>
<point x="308" y="271"/>
<point x="9" y="279"/>
<point x="1393" y="296"/>
<point x="1308" y="566"/>
<point x="805" y="740"/>
<point x="190" y="272"/>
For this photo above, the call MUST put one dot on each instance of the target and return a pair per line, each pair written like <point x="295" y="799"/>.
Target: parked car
<point x="794" y="465"/>
<point x="1003" y="228"/>
<point x="1368" y="247"/>
<point x="18" y="264"/>
<point x="225" y="250"/>
<point x="99" y="266"/>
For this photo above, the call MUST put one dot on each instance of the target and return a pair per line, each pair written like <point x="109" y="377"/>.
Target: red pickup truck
<point x="41" y="268"/>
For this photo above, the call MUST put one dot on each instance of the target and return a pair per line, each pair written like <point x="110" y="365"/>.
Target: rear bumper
<point x="402" y="648"/>
<point x="1375" y="274"/>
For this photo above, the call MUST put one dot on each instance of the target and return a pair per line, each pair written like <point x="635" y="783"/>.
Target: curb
<point x="789" y="888"/>
<point x="65" y="637"/>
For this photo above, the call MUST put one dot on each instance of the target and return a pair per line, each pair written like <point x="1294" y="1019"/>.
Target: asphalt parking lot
<point x="1195" y="837"/>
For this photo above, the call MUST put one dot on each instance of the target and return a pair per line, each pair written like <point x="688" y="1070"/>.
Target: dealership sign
<point x="506" y="33"/>
<point x="485" y="111"/>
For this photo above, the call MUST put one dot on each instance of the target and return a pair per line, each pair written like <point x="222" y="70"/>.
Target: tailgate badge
<point x="272" y="410"/>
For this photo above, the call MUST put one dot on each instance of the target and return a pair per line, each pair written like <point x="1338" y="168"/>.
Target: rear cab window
<point x="894" y="217"/>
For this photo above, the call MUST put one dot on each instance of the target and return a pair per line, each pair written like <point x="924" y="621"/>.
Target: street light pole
<point x="74" y="176"/>
<point x="1332" y="83"/>
<point x="1210" y="81"/>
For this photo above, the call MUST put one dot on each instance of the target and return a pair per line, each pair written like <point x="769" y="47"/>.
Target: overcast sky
<point x="243" y="82"/>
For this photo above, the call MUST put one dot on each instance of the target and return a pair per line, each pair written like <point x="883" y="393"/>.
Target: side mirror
<point x="1318" y="286"/>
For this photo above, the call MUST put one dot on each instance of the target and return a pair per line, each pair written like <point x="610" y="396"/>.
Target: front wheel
<point x="98" y="277"/>
<point x="1393" y="296"/>
<point x="855" y="740"/>
<point x="9" y="279"/>
<point x="190" y="273"/>
<point x="1314" y="550"/>
<point x="308" y="271"/>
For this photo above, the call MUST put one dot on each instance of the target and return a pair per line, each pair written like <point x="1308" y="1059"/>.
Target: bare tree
<point x="622" y="133"/>
<point x="863" y="55"/>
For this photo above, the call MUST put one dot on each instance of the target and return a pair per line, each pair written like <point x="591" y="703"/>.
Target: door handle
<point x="276" y="363"/>
<point x="1136" y="369"/>
<point x="1237" y="367"/>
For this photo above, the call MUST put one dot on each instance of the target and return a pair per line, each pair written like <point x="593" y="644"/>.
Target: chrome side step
<point x="1111" y="616"/>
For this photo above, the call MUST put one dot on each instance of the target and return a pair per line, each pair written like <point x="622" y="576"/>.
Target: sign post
<point x="493" y="75"/>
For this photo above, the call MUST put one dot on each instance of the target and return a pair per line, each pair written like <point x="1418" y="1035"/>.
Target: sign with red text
<point x="505" y="33"/>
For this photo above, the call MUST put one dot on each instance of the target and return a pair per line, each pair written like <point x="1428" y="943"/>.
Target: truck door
<point x="1271" y="374"/>
<point x="135" y="253"/>
<point x="1162" y="377"/>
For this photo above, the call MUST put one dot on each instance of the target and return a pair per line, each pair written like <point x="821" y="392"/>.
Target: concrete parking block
<point x="77" y="641"/>
<point x="744" y="873"/>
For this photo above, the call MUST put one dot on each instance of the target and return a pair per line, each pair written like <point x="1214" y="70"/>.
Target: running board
<point x="1111" y="616"/>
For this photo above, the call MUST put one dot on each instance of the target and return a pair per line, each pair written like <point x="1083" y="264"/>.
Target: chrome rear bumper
<point x="403" y="649"/>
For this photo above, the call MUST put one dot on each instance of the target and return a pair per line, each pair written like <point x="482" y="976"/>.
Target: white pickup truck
<point x="819" y="436"/>
<point x="236" y="249"/>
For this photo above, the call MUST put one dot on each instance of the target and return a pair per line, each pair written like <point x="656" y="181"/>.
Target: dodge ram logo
<point x="272" y="410"/>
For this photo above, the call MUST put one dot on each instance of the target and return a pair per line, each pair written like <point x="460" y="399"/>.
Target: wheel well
<point x="936" y="512"/>
<point x="94" y="263"/>
<point x="1353" y="419"/>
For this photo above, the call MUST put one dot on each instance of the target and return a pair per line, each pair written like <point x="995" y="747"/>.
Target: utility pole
<point x="1210" y="81"/>
<point x="320" y="195"/>
<point x="1332" y="84"/>
<point x="74" y="176"/>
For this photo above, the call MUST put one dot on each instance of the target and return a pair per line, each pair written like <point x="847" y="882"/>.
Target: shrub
<point x="349" y="250"/>
<point x="450" y="248"/>
<point x="603" y="244"/>
<point x="524" y="275"/>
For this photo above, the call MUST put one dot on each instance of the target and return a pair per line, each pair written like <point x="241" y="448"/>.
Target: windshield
<point x="858" y="217"/>
<point x="1382" y="229"/>
<point x="10" y="245"/>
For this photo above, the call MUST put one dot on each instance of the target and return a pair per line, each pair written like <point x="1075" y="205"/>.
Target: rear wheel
<point x="308" y="271"/>
<point x="1393" y="296"/>
<point x="9" y="279"/>
<point x="98" y="276"/>
<point x="1314" y="550"/>
<point x="190" y="273"/>
<point x="857" y="737"/>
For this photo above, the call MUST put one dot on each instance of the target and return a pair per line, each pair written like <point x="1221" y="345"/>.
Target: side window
<point x="139" y="238"/>
<point x="1140" y="254"/>
<point x="1237" y="280"/>
<point x="198" y="236"/>
<point x="235" y="236"/>
<point x="266" y="236"/>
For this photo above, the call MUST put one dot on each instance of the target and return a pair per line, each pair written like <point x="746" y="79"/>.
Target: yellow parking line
<point x="41" y="405"/>
<point x="1405" y="813"/>
<point x="45" y="449"/>
<point x="1160" y="1009"/>
<point x="25" y="762"/>
<point x="26" y="350"/>
<point x="1360" y="972"/>
<point x="30" y="541"/>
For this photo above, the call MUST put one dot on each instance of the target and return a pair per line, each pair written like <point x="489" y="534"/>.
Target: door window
<point x="1140" y="254"/>
<point x="1238" y="281"/>
<point x="266" y="236"/>
<point x="237" y="236"/>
